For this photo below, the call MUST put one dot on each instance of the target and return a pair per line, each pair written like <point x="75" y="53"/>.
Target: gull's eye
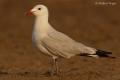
<point x="39" y="8"/>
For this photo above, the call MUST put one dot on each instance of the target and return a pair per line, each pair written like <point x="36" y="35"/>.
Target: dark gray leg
<point x="55" y="65"/>
<point x="57" y="70"/>
<point x="54" y="70"/>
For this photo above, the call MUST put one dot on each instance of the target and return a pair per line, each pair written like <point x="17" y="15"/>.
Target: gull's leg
<point x="54" y="69"/>
<point x="57" y="71"/>
<point x="56" y="66"/>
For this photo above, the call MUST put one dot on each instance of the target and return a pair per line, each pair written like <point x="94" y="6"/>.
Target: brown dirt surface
<point x="95" y="25"/>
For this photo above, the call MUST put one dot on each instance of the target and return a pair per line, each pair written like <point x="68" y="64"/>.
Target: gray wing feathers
<point x="60" y="44"/>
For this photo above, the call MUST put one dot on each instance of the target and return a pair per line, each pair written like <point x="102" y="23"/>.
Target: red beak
<point x="29" y="13"/>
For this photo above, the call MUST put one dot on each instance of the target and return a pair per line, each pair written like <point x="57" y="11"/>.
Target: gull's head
<point x="39" y="10"/>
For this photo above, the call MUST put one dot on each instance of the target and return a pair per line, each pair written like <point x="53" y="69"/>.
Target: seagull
<point x="55" y="43"/>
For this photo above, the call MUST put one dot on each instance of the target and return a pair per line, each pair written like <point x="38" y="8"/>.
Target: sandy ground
<point x="94" y="25"/>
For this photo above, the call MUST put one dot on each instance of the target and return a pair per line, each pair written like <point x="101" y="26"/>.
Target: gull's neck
<point x="42" y="19"/>
<point x="41" y="24"/>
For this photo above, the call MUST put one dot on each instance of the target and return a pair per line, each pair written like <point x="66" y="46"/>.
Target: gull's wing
<point x="60" y="44"/>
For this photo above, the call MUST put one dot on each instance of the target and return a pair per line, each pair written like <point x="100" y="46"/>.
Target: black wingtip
<point x="102" y="53"/>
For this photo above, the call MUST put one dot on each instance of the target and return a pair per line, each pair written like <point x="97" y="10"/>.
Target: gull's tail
<point x="100" y="53"/>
